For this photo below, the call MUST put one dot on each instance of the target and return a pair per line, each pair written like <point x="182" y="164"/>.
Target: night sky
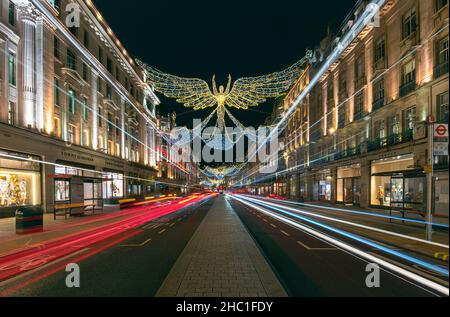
<point x="201" y="38"/>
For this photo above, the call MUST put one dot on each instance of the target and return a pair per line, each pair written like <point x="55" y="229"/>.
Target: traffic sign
<point x="441" y="131"/>
<point x="440" y="148"/>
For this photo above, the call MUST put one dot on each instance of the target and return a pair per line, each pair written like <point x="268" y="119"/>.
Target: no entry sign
<point x="441" y="131"/>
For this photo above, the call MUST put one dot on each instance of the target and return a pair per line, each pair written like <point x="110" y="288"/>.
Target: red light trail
<point x="24" y="260"/>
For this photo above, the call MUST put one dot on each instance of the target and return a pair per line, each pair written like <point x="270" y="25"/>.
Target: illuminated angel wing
<point x="192" y="92"/>
<point x="252" y="91"/>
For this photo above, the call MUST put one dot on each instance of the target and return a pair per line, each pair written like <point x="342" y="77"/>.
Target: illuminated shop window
<point x="20" y="182"/>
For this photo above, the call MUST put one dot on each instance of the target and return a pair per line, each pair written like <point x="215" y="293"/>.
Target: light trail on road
<point x="349" y="248"/>
<point x="365" y="213"/>
<point x="14" y="264"/>
<point x="354" y="224"/>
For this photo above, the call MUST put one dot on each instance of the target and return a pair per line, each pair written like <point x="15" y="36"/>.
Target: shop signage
<point x="440" y="148"/>
<point x="441" y="131"/>
<point x="76" y="156"/>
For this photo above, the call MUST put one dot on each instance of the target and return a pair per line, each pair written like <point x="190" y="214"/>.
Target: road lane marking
<point x="137" y="245"/>
<point x="285" y="233"/>
<point x="395" y="270"/>
<point x="315" y="249"/>
<point x="162" y="231"/>
<point x="171" y="225"/>
<point x="33" y="271"/>
<point x="273" y="225"/>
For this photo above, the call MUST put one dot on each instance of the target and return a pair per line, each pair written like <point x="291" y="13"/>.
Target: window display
<point x="395" y="184"/>
<point x="19" y="188"/>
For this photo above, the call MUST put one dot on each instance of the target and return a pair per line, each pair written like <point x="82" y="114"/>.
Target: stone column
<point x="122" y="126"/>
<point x="28" y="20"/>
<point x="94" y="106"/>
<point x="40" y="74"/>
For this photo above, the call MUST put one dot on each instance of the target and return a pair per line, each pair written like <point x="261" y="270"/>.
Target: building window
<point x="100" y="119"/>
<point x="12" y="68"/>
<point x="86" y="39"/>
<point x="359" y="106"/>
<point x="55" y="4"/>
<point x="394" y="125"/>
<point x="85" y="109"/>
<point x="380" y="130"/>
<point x="440" y="4"/>
<point x="117" y="74"/>
<point x="380" y="50"/>
<point x="56" y="92"/>
<point x="378" y="94"/>
<point x="360" y="67"/>
<point x="342" y="110"/>
<point x="56" y="47"/>
<point x="442" y="107"/>
<point x="11" y="113"/>
<point x="12" y="13"/>
<point x="72" y="101"/>
<point x="71" y="60"/>
<point x="72" y="132"/>
<point x="57" y="124"/>
<point x="441" y="67"/>
<point x="100" y="55"/>
<point x="408" y="78"/>
<point x="409" y="120"/>
<point x="109" y="66"/>
<point x="342" y="86"/>
<point x="85" y="72"/>
<point x="99" y="85"/>
<point x="108" y="91"/>
<point x="409" y="26"/>
<point x="117" y="128"/>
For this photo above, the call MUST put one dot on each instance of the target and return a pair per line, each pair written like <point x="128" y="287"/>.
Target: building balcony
<point x="407" y="88"/>
<point x="391" y="140"/>
<point x="441" y="70"/>
<point x="378" y="104"/>
<point x="347" y="153"/>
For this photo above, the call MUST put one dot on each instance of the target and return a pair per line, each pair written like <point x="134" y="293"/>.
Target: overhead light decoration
<point x="244" y="93"/>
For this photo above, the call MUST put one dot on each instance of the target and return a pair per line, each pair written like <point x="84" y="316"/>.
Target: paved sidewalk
<point x="221" y="260"/>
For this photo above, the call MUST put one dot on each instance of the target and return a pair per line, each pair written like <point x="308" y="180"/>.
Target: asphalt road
<point x="120" y="266"/>
<point x="307" y="266"/>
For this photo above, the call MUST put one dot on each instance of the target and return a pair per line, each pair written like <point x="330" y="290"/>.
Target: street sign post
<point x="440" y="131"/>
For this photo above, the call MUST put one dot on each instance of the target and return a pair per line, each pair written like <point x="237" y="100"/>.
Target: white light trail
<point x="303" y="212"/>
<point x="344" y="246"/>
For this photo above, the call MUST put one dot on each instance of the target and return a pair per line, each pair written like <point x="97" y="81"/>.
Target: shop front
<point x="397" y="184"/>
<point x="348" y="189"/>
<point x="293" y="187"/>
<point x="323" y="186"/>
<point x="20" y="182"/>
<point x="135" y="185"/>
